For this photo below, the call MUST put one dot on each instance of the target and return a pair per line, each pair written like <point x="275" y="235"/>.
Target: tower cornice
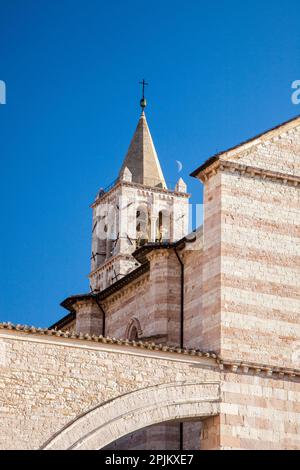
<point x="131" y="184"/>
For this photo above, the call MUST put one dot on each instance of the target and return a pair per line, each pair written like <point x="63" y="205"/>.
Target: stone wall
<point x="251" y="250"/>
<point x="47" y="381"/>
<point x="276" y="151"/>
<point x="131" y="301"/>
<point x="211" y="272"/>
<point x="259" y="412"/>
<point x="194" y="320"/>
<point x="154" y="299"/>
<point x="260" y="259"/>
<point x="50" y="382"/>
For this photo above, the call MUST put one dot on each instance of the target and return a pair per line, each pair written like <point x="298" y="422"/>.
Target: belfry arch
<point x="136" y="410"/>
<point x="143" y="227"/>
<point x="163" y="226"/>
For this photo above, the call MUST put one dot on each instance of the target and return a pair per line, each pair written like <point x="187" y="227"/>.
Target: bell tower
<point x="138" y="208"/>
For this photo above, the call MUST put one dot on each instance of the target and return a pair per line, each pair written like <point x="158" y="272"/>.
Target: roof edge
<point x="235" y="366"/>
<point x="217" y="156"/>
<point x="70" y="301"/>
<point x="63" y="321"/>
<point x="140" y="253"/>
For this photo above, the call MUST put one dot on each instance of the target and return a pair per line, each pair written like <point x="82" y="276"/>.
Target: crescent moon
<point x="179" y="166"/>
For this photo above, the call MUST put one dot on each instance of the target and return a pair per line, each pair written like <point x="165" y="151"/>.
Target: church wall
<point x="210" y="338"/>
<point x="153" y="299"/>
<point x="89" y="318"/>
<point x="131" y="301"/>
<point x="193" y="314"/>
<point x="165" y="286"/>
<point x="259" y="413"/>
<point x="274" y="152"/>
<point x="155" y="302"/>
<point x="194" y="322"/>
<point x="210" y="434"/>
<point x="260" y="288"/>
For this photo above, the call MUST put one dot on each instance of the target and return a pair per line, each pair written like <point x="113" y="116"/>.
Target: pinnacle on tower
<point x="141" y="159"/>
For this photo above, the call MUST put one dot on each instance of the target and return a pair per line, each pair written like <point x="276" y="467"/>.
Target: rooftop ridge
<point x="106" y="340"/>
<point x="224" y="365"/>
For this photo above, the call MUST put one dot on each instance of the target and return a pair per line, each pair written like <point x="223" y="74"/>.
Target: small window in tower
<point x="160" y="224"/>
<point x="163" y="226"/>
<point x="142" y="226"/>
<point x="105" y="228"/>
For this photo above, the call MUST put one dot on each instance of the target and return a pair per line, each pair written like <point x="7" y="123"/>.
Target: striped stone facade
<point x="252" y="251"/>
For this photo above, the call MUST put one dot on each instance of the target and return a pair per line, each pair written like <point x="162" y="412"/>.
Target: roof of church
<point x="295" y="121"/>
<point x="140" y="255"/>
<point x="108" y="340"/>
<point x="141" y="252"/>
<point x="69" y="302"/>
<point x="141" y="158"/>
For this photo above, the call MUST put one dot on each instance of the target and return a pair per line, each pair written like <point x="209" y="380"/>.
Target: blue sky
<point x="219" y="73"/>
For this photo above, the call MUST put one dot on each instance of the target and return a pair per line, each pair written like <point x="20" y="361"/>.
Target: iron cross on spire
<point x="143" y="83"/>
<point x="143" y="101"/>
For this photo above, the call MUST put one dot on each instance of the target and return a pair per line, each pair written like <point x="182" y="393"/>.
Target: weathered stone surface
<point x="47" y="381"/>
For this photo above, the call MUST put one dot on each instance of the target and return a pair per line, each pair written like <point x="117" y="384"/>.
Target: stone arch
<point x="143" y="225"/>
<point x="133" y="326"/>
<point x="135" y="410"/>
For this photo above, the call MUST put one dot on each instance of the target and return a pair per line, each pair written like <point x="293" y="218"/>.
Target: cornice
<point x="32" y="330"/>
<point x="250" y="171"/>
<point x="160" y="253"/>
<point x="148" y="189"/>
<point x="262" y="370"/>
<point x="154" y="189"/>
<point x="106" y="195"/>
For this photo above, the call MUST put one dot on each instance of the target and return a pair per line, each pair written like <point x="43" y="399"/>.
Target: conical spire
<point x="141" y="159"/>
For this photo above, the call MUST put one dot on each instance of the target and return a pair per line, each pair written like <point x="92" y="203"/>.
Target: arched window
<point x="110" y="231"/>
<point x="163" y="226"/>
<point x="133" y="330"/>
<point x="133" y="334"/>
<point x="98" y="241"/>
<point x="143" y="230"/>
